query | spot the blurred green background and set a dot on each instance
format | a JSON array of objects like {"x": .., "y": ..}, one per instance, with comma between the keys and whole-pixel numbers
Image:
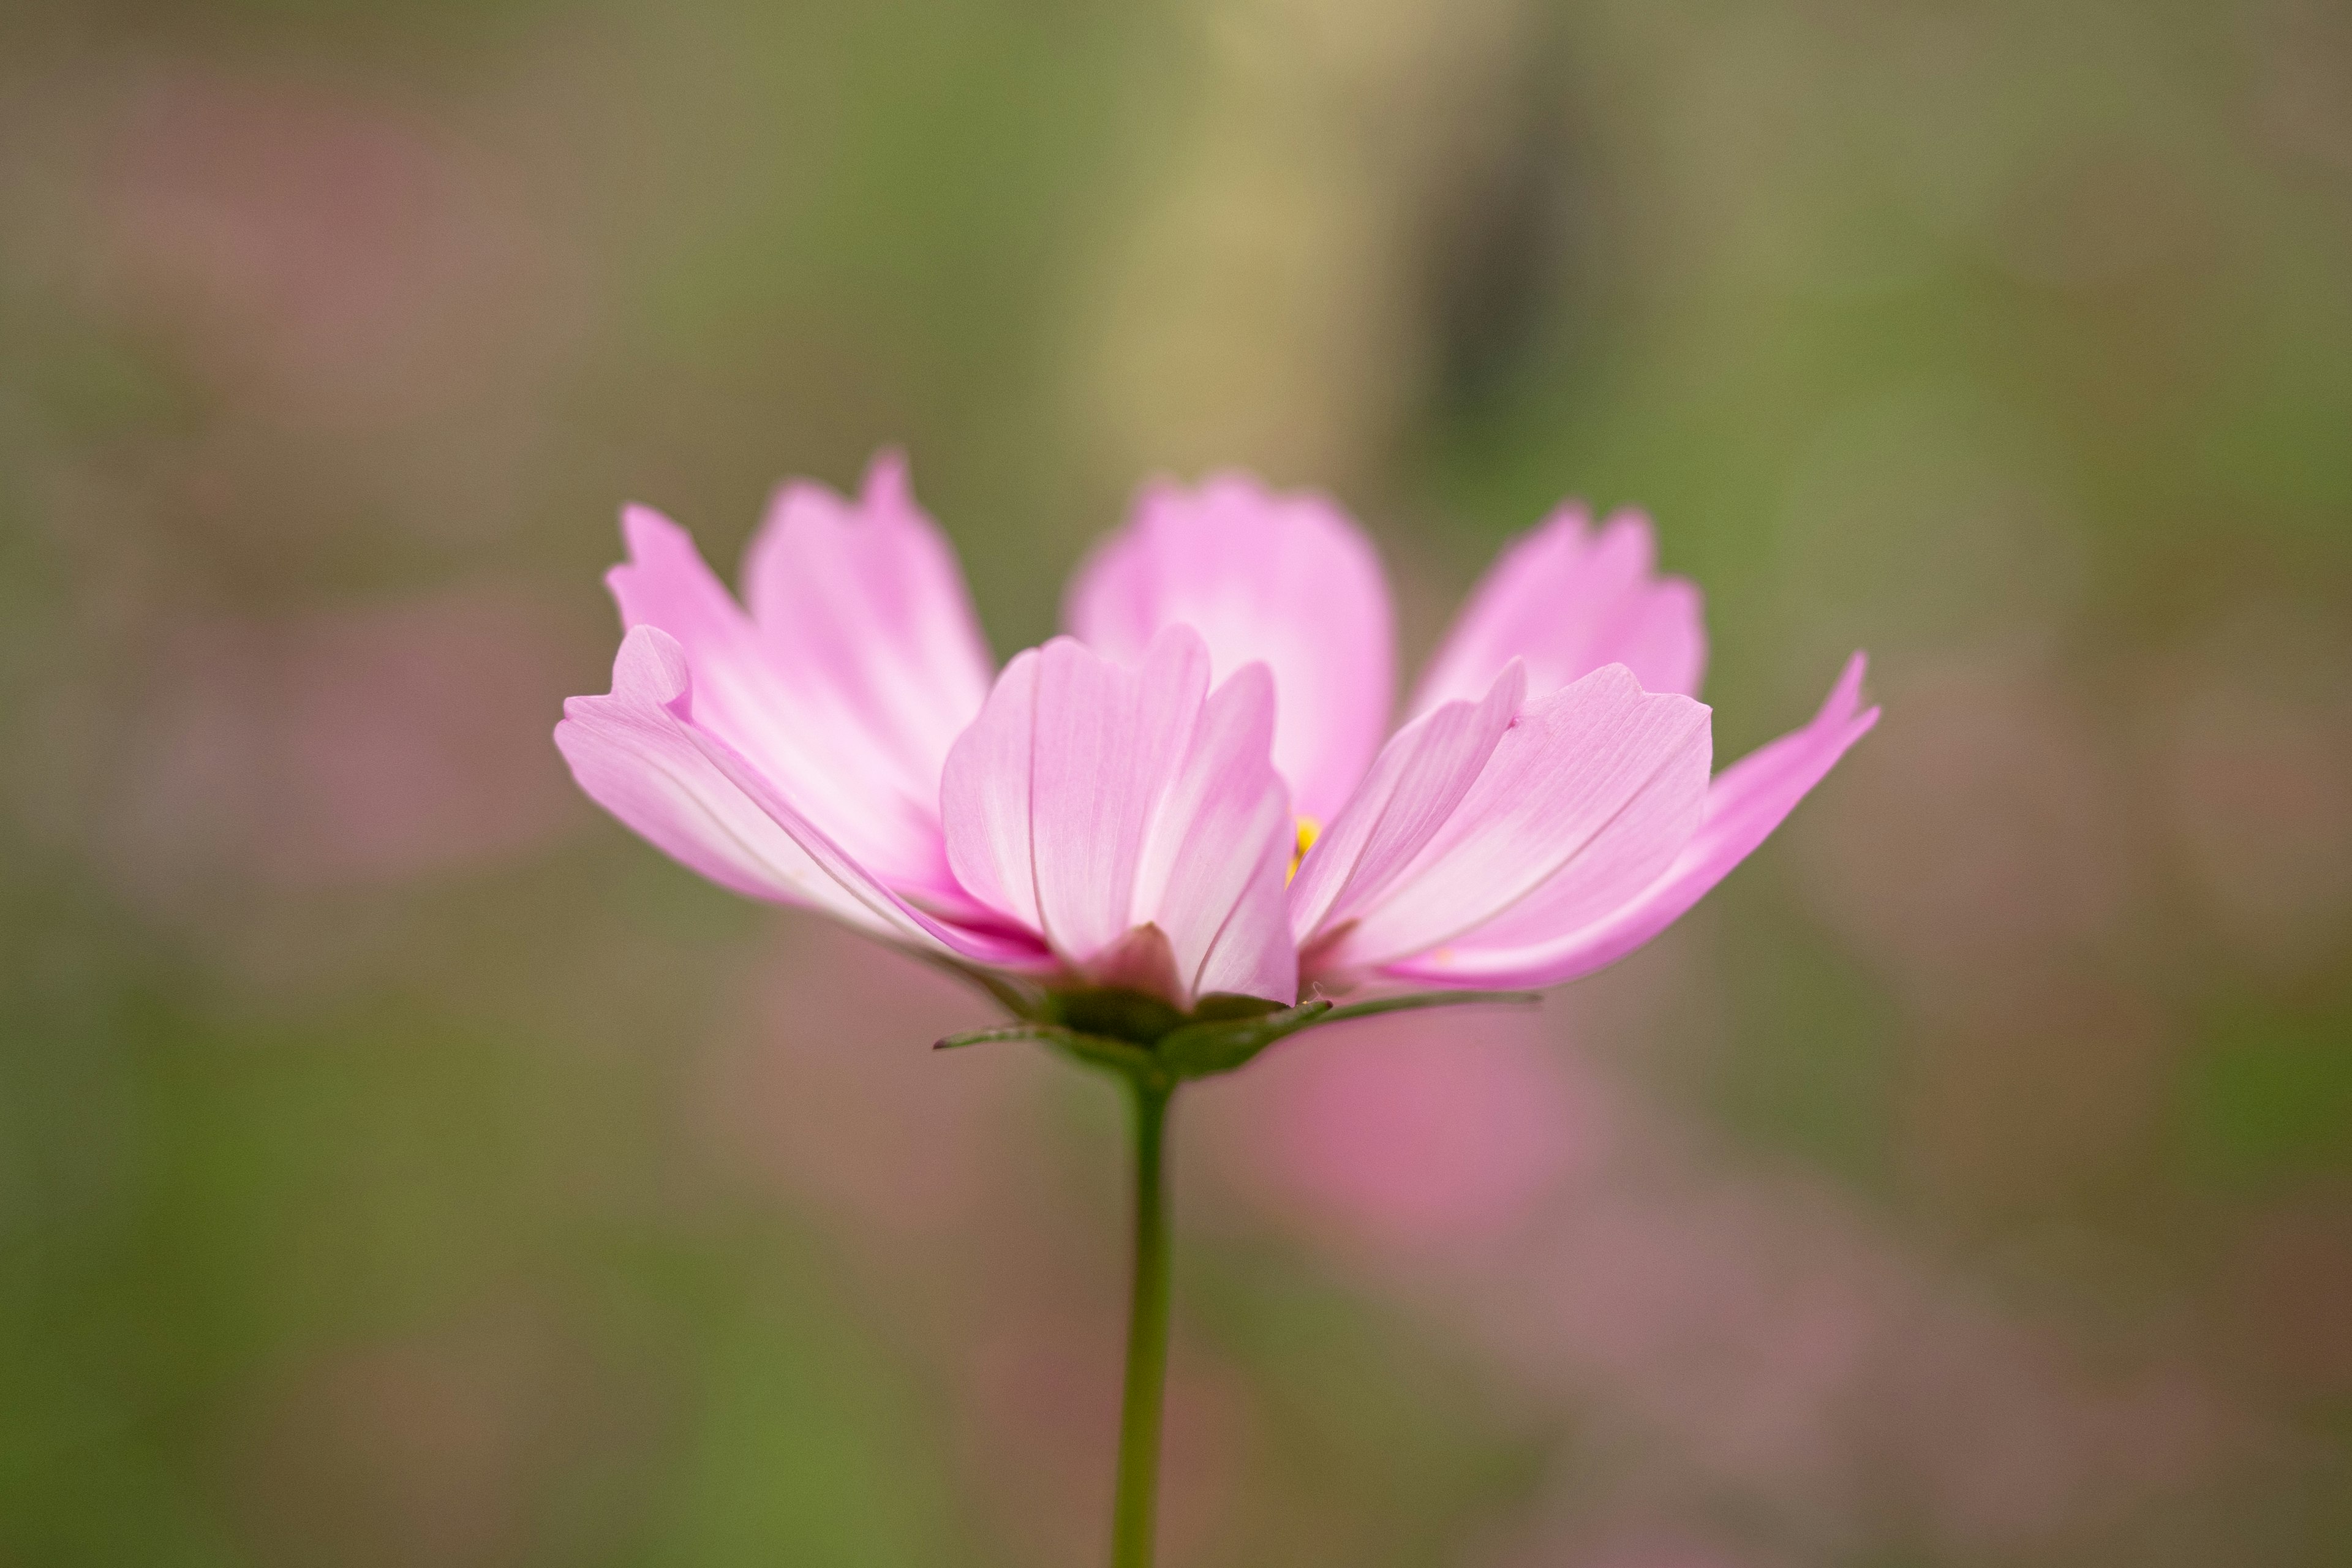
[{"x": 400, "y": 1164}]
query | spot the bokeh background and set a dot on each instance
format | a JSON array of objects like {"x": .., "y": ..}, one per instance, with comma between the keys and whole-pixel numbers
[{"x": 401, "y": 1165}]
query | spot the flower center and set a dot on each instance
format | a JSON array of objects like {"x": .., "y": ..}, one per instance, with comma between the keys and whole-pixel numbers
[{"x": 1310, "y": 830}]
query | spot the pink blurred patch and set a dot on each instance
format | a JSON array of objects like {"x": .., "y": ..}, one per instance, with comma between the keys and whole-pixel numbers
[
  {"x": 370, "y": 312},
  {"x": 1720, "y": 1331},
  {"x": 1757, "y": 1339},
  {"x": 2255, "y": 761},
  {"x": 317, "y": 245},
  {"x": 832, "y": 1091},
  {"x": 1979, "y": 835},
  {"x": 412, "y": 735},
  {"x": 1624, "y": 1548},
  {"x": 360, "y": 748},
  {"x": 2290, "y": 1285},
  {"x": 1411, "y": 1132}
]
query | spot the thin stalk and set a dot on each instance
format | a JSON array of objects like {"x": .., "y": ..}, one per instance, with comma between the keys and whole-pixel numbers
[{"x": 1134, "y": 1508}]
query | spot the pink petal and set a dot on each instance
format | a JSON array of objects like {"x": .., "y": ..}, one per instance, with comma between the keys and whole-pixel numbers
[
  {"x": 1214, "y": 861},
  {"x": 867, "y": 601},
  {"x": 986, "y": 797},
  {"x": 829, "y": 716},
  {"x": 1421, "y": 776},
  {"x": 1568, "y": 602},
  {"x": 640, "y": 754},
  {"x": 1283, "y": 579},
  {"x": 1750, "y": 799},
  {"x": 1252, "y": 953},
  {"x": 1107, "y": 741},
  {"x": 1090, "y": 799},
  {"x": 1048, "y": 794},
  {"x": 1586, "y": 799}
]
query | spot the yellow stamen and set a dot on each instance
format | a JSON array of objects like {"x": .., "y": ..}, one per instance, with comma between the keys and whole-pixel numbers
[{"x": 1310, "y": 830}]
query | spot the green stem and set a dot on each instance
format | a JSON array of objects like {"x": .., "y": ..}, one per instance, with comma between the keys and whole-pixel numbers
[{"x": 1147, "y": 1341}]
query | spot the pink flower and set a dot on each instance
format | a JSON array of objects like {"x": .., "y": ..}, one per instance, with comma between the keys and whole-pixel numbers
[{"x": 1117, "y": 809}]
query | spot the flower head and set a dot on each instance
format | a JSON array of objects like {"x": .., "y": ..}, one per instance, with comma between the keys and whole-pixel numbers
[{"x": 1185, "y": 812}]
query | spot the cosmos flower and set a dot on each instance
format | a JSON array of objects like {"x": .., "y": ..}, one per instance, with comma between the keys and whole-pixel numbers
[{"x": 1188, "y": 801}]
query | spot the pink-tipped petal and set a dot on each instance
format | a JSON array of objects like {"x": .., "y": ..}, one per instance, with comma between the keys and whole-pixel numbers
[
  {"x": 1568, "y": 602},
  {"x": 825, "y": 706},
  {"x": 866, "y": 602},
  {"x": 1744, "y": 805},
  {"x": 991, "y": 945},
  {"x": 1108, "y": 740},
  {"x": 986, "y": 797},
  {"x": 1285, "y": 580},
  {"x": 739, "y": 690},
  {"x": 640, "y": 754},
  {"x": 1252, "y": 953},
  {"x": 1588, "y": 797},
  {"x": 631, "y": 756},
  {"x": 1418, "y": 780},
  {"x": 1219, "y": 843},
  {"x": 665, "y": 583},
  {"x": 1047, "y": 796},
  {"x": 1131, "y": 818}
]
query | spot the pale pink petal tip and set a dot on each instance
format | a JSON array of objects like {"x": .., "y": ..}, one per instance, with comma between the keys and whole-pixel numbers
[
  {"x": 1744, "y": 805},
  {"x": 632, "y": 755},
  {"x": 1285, "y": 579},
  {"x": 1414, "y": 787},
  {"x": 1847, "y": 693},
  {"x": 887, "y": 485},
  {"x": 644, "y": 528},
  {"x": 641, "y": 753},
  {"x": 1570, "y": 600},
  {"x": 1587, "y": 796}
]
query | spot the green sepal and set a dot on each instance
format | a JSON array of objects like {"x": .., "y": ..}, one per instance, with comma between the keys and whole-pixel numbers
[
  {"x": 1142, "y": 1037},
  {"x": 990, "y": 1035},
  {"x": 1219, "y": 1006},
  {"x": 1096, "y": 1051},
  {"x": 1206, "y": 1049},
  {"x": 1420, "y": 999},
  {"x": 1212, "y": 1046},
  {"x": 1113, "y": 1012}
]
